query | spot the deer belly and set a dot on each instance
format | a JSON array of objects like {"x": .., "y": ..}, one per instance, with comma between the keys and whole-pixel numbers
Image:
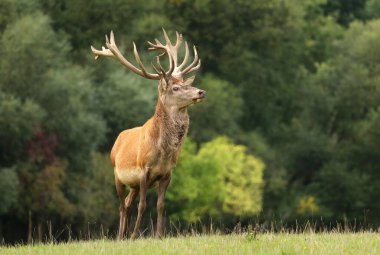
[{"x": 130, "y": 177}]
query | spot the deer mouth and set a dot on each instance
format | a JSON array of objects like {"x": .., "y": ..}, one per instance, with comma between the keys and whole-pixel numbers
[
  {"x": 201, "y": 96},
  {"x": 198, "y": 99}
]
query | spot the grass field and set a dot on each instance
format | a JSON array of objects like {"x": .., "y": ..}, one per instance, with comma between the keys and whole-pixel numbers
[{"x": 325, "y": 243}]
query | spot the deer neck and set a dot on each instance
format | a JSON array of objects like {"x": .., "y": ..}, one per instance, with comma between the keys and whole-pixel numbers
[{"x": 171, "y": 126}]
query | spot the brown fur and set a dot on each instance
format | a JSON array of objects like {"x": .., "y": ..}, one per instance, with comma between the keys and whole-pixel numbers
[{"x": 159, "y": 141}]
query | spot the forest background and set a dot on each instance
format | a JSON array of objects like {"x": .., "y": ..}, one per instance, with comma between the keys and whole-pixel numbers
[{"x": 289, "y": 131}]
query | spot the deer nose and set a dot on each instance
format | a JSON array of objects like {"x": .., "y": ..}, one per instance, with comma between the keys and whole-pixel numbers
[{"x": 201, "y": 93}]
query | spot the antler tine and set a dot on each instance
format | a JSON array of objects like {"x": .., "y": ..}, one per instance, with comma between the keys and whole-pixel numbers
[
  {"x": 108, "y": 41},
  {"x": 174, "y": 48},
  {"x": 172, "y": 65},
  {"x": 161, "y": 71},
  {"x": 160, "y": 66},
  {"x": 184, "y": 61},
  {"x": 104, "y": 52},
  {"x": 168, "y": 47},
  {"x": 138, "y": 60},
  {"x": 194, "y": 65},
  {"x": 113, "y": 51},
  {"x": 166, "y": 50},
  {"x": 157, "y": 46},
  {"x": 178, "y": 39},
  {"x": 167, "y": 39}
]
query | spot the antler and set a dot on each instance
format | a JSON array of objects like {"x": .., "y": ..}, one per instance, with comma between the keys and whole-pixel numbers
[
  {"x": 169, "y": 49},
  {"x": 173, "y": 50},
  {"x": 113, "y": 51}
]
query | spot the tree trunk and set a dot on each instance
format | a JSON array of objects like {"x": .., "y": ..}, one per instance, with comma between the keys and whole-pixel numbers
[
  {"x": 1, "y": 231},
  {"x": 30, "y": 237},
  {"x": 39, "y": 231}
]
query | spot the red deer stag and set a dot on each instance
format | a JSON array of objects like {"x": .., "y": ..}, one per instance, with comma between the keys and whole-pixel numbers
[{"x": 145, "y": 156}]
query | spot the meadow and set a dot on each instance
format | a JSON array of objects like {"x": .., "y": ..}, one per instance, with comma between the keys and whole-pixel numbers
[{"x": 269, "y": 243}]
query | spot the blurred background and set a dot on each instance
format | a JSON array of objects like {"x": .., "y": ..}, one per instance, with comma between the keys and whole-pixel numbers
[{"x": 290, "y": 130}]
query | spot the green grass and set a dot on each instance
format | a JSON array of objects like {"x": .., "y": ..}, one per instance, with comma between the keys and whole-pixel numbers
[{"x": 326, "y": 243}]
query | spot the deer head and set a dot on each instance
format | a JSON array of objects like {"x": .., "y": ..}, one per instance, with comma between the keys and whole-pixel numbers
[{"x": 174, "y": 90}]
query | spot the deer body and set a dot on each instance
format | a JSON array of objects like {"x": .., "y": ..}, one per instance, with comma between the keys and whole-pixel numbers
[
  {"x": 154, "y": 147},
  {"x": 145, "y": 156}
]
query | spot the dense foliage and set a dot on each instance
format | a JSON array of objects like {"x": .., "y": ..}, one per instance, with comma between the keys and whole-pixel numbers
[{"x": 290, "y": 128}]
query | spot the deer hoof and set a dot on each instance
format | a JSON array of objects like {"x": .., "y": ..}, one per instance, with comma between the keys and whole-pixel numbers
[{"x": 134, "y": 236}]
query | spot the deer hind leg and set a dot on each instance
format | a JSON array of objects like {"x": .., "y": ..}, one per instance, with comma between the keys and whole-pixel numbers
[
  {"x": 120, "y": 189},
  {"x": 142, "y": 205},
  {"x": 128, "y": 205}
]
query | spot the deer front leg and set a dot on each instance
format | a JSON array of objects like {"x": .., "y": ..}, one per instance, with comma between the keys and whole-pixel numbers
[
  {"x": 162, "y": 187},
  {"x": 142, "y": 205}
]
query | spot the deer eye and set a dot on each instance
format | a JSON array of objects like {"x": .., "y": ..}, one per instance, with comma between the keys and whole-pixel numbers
[{"x": 175, "y": 88}]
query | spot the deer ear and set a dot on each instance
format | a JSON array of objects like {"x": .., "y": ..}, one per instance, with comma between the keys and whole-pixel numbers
[{"x": 189, "y": 81}]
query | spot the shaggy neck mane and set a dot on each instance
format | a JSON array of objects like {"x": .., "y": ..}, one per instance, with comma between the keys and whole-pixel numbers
[{"x": 171, "y": 127}]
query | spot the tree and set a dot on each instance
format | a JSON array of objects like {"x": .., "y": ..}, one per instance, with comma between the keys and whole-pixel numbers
[
  {"x": 345, "y": 11},
  {"x": 125, "y": 101},
  {"x": 73, "y": 17},
  {"x": 11, "y": 10},
  {"x": 363, "y": 162},
  {"x": 372, "y": 8},
  {"x": 97, "y": 197},
  {"x": 328, "y": 144},
  {"x": 17, "y": 120},
  {"x": 234, "y": 181},
  {"x": 42, "y": 195},
  {"x": 220, "y": 112},
  {"x": 8, "y": 189},
  {"x": 47, "y": 78}
]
